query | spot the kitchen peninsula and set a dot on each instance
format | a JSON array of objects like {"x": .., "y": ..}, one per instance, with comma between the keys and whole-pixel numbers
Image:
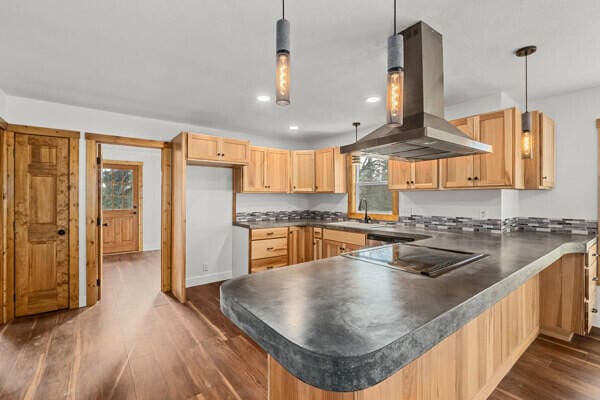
[{"x": 341, "y": 328}]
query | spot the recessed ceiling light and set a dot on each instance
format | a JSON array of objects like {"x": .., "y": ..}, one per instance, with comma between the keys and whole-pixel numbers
[
  {"x": 263, "y": 98},
  {"x": 373, "y": 99},
  {"x": 294, "y": 127}
]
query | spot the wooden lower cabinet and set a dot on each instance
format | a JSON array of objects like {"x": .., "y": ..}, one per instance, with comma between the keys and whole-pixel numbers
[
  {"x": 268, "y": 249},
  {"x": 300, "y": 247},
  {"x": 568, "y": 296},
  {"x": 468, "y": 364},
  {"x": 338, "y": 242}
]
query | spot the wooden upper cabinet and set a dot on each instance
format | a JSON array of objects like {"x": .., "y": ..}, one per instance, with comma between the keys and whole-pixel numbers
[
  {"x": 458, "y": 172},
  {"x": 324, "y": 170},
  {"x": 253, "y": 175},
  {"x": 303, "y": 171},
  {"x": 213, "y": 149},
  {"x": 277, "y": 170},
  {"x": 235, "y": 151},
  {"x": 540, "y": 171},
  {"x": 404, "y": 175},
  {"x": 399, "y": 174},
  {"x": 496, "y": 168},
  {"x": 330, "y": 170},
  {"x": 267, "y": 171},
  {"x": 425, "y": 174},
  {"x": 203, "y": 147},
  {"x": 548, "y": 149}
]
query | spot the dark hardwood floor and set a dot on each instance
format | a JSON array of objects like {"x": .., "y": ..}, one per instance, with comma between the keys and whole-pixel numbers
[{"x": 138, "y": 343}]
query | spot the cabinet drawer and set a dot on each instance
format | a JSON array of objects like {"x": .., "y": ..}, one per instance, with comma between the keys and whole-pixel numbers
[
  {"x": 268, "y": 263},
  {"x": 269, "y": 248},
  {"x": 591, "y": 255},
  {"x": 317, "y": 233},
  {"x": 356, "y": 238},
  {"x": 258, "y": 234}
]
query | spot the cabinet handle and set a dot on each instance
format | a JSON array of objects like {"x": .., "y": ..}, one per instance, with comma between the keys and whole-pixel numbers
[
  {"x": 595, "y": 255},
  {"x": 469, "y": 178},
  {"x": 545, "y": 177},
  {"x": 476, "y": 178},
  {"x": 408, "y": 182},
  {"x": 595, "y": 279},
  {"x": 270, "y": 267},
  {"x": 594, "y": 311},
  {"x": 294, "y": 187},
  {"x": 270, "y": 233},
  {"x": 270, "y": 248},
  {"x": 412, "y": 182}
]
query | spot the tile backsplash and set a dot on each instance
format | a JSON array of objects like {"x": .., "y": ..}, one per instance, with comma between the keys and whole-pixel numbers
[{"x": 460, "y": 224}]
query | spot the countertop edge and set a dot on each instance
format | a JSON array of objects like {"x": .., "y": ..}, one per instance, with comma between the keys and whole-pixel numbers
[{"x": 346, "y": 374}]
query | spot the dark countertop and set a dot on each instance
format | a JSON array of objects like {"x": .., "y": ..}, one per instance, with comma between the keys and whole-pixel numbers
[{"x": 342, "y": 324}]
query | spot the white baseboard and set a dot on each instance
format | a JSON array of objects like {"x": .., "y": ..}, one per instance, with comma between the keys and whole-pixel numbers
[{"x": 207, "y": 278}]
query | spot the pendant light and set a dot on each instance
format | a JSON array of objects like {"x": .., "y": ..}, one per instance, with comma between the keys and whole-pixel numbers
[
  {"x": 526, "y": 137},
  {"x": 356, "y": 156},
  {"x": 282, "y": 69},
  {"x": 395, "y": 77}
]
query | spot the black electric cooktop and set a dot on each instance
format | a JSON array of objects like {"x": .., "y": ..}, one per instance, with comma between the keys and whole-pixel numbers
[{"x": 428, "y": 261}]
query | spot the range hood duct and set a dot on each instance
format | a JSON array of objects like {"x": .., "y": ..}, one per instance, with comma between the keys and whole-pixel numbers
[{"x": 425, "y": 134}]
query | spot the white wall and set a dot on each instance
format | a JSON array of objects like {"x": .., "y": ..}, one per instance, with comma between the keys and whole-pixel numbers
[
  {"x": 151, "y": 180},
  {"x": 247, "y": 202},
  {"x": 209, "y": 225},
  {"x": 2, "y": 105},
  {"x": 575, "y": 192}
]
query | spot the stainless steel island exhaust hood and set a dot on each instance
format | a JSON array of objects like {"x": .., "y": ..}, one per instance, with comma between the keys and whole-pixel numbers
[{"x": 425, "y": 134}]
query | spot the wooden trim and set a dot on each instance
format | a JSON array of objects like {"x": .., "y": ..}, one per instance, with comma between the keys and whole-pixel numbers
[
  {"x": 126, "y": 141},
  {"x": 3, "y": 124},
  {"x": 40, "y": 131},
  {"x": 140, "y": 198},
  {"x": 178, "y": 218},
  {"x": 598, "y": 123},
  {"x": 3, "y": 222},
  {"x": 91, "y": 212},
  {"x": 352, "y": 213},
  {"x": 92, "y": 140},
  {"x": 74, "y": 223},
  {"x": 9, "y": 283},
  {"x": 165, "y": 237}
]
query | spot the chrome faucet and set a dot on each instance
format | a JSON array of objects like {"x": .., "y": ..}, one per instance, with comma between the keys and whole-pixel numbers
[{"x": 363, "y": 205}]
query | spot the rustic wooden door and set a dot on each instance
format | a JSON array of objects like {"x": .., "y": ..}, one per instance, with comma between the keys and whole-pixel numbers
[
  {"x": 120, "y": 206},
  {"x": 41, "y": 224}
]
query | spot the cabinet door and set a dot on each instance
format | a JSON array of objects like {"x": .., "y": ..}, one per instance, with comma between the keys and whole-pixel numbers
[
  {"x": 317, "y": 249},
  {"x": 254, "y": 173},
  {"x": 399, "y": 175},
  {"x": 203, "y": 147},
  {"x": 495, "y": 168},
  {"x": 277, "y": 167},
  {"x": 294, "y": 246},
  {"x": 458, "y": 172},
  {"x": 425, "y": 174},
  {"x": 324, "y": 170},
  {"x": 351, "y": 247},
  {"x": 233, "y": 150},
  {"x": 331, "y": 248},
  {"x": 303, "y": 171},
  {"x": 547, "y": 151}
]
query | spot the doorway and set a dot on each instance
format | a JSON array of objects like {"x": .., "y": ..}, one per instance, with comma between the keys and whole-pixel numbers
[
  {"x": 122, "y": 206},
  {"x": 119, "y": 226}
]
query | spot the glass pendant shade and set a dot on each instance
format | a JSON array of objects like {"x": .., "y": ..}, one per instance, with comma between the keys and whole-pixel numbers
[
  {"x": 282, "y": 79},
  {"x": 526, "y": 137},
  {"x": 395, "y": 98},
  {"x": 395, "y": 80}
]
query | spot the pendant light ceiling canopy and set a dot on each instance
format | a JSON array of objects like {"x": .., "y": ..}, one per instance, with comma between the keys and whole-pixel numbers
[
  {"x": 395, "y": 77},
  {"x": 526, "y": 137},
  {"x": 282, "y": 68}
]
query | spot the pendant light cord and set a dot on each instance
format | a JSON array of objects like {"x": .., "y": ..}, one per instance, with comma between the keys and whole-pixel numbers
[
  {"x": 526, "y": 86},
  {"x": 283, "y": 8},
  {"x": 395, "y": 31}
]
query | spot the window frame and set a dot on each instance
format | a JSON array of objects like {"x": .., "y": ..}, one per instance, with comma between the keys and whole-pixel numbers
[{"x": 352, "y": 206}]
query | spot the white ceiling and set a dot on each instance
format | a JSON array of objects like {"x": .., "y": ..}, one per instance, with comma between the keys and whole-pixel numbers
[{"x": 205, "y": 61}]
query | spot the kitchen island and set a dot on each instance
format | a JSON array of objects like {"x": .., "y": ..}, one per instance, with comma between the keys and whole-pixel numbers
[{"x": 341, "y": 328}]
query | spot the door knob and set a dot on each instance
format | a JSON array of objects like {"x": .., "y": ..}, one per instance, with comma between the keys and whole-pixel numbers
[{"x": 61, "y": 232}]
